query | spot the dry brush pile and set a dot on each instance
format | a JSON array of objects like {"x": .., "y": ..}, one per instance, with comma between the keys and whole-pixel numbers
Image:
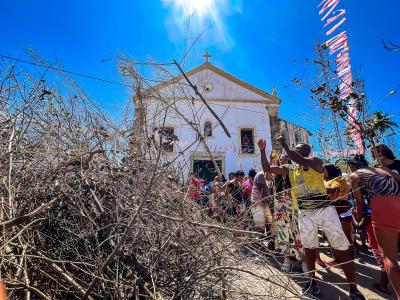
[{"x": 84, "y": 216}]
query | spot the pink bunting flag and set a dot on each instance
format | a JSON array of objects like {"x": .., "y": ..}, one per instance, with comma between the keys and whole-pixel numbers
[
  {"x": 327, "y": 5},
  {"x": 333, "y": 19},
  {"x": 336, "y": 39},
  {"x": 339, "y": 43},
  {"x": 344, "y": 71},
  {"x": 344, "y": 64},
  {"x": 342, "y": 58},
  {"x": 333, "y": 5},
  {"x": 329, "y": 32},
  {"x": 322, "y": 2}
]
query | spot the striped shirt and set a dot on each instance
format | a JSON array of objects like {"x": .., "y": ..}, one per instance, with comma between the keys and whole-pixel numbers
[{"x": 378, "y": 184}]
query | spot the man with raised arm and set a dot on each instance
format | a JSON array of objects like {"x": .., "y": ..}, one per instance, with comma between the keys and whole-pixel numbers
[{"x": 309, "y": 193}]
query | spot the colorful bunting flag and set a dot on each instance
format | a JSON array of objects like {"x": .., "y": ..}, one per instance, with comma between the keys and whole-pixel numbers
[{"x": 339, "y": 44}]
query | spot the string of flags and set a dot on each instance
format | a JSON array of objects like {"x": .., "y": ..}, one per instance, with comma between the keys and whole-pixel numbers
[
  {"x": 335, "y": 154},
  {"x": 338, "y": 45}
]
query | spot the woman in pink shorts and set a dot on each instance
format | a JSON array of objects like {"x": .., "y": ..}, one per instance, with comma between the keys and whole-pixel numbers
[{"x": 384, "y": 192}]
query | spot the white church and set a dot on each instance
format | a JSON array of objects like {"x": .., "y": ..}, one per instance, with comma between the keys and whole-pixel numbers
[{"x": 183, "y": 123}]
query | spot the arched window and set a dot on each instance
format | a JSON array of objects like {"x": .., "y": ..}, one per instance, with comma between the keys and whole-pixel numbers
[{"x": 207, "y": 128}]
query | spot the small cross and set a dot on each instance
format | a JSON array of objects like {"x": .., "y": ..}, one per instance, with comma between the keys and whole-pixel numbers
[{"x": 206, "y": 56}]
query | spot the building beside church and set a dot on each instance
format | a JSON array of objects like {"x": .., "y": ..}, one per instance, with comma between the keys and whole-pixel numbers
[
  {"x": 293, "y": 133},
  {"x": 178, "y": 118}
]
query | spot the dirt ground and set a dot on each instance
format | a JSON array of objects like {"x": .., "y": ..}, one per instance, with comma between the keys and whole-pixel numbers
[
  {"x": 367, "y": 274},
  {"x": 332, "y": 281}
]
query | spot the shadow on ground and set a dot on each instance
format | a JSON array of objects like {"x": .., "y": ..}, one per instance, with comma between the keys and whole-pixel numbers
[
  {"x": 367, "y": 273},
  {"x": 332, "y": 282}
]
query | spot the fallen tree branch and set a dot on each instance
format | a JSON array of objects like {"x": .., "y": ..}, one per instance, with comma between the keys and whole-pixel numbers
[
  {"x": 126, "y": 234},
  {"x": 22, "y": 219},
  {"x": 38, "y": 292},
  {"x": 68, "y": 279},
  {"x": 212, "y": 226}
]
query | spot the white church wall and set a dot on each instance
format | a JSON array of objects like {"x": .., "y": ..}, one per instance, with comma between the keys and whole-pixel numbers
[
  {"x": 237, "y": 106},
  {"x": 235, "y": 116},
  {"x": 223, "y": 87}
]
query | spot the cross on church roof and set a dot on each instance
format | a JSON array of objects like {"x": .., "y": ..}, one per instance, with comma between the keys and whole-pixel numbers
[{"x": 206, "y": 56}]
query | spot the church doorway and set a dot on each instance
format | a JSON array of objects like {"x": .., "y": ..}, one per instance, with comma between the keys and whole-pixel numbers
[{"x": 205, "y": 170}]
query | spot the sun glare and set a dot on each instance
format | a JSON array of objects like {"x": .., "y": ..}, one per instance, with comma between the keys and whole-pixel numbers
[
  {"x": 200, "y": 16},
  {"x": 195, "y": 7}
]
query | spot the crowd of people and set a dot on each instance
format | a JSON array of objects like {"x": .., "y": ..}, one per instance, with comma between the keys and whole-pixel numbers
[{"x": 296, "y": 196}]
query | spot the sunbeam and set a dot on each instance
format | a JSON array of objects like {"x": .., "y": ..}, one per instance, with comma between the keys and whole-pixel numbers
[
  {"x": 205, "y": 15},
  {"x": 196, "y": 7}
]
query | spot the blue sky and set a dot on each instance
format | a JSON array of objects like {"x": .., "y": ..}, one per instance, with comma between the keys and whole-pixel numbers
[{"x": 263, "y": 42}]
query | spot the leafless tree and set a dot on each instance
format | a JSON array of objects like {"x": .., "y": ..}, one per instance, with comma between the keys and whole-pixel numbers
[{"x": 92, "y": 209}]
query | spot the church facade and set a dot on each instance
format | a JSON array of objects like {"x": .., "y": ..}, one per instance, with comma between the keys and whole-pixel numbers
[{"x": 188, "y": 131}]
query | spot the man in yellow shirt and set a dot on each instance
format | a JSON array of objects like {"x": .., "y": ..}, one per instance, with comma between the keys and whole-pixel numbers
[{"x": 309, "y": 193}]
